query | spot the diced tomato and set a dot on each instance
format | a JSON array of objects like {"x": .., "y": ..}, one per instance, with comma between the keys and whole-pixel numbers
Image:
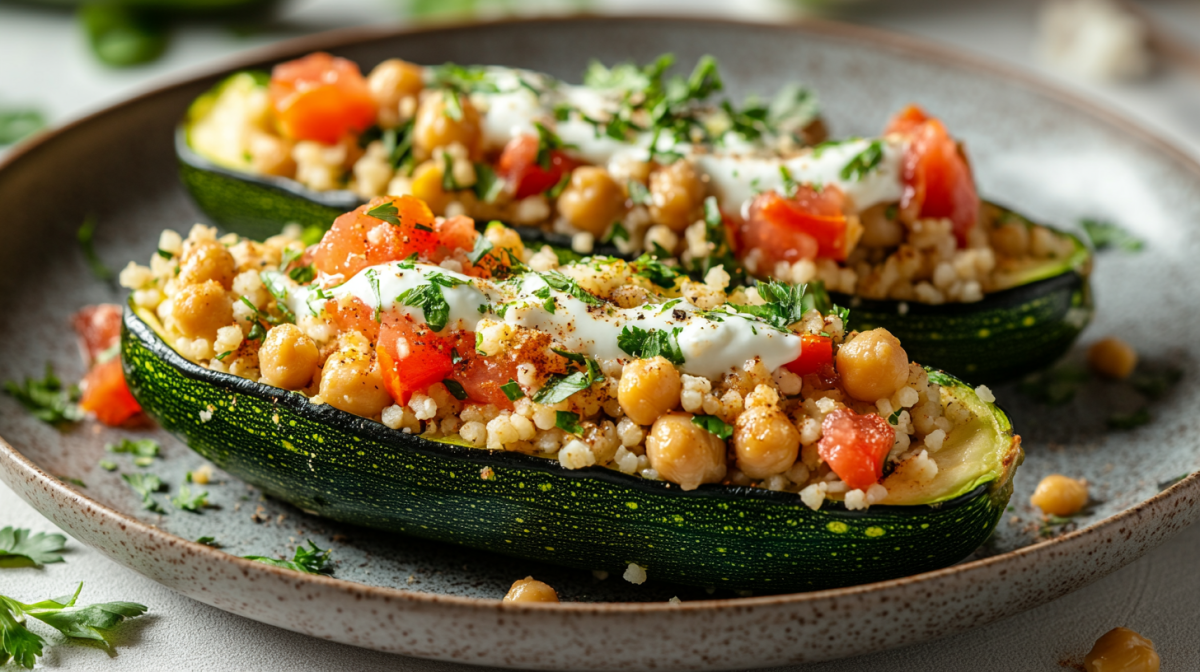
[
  {"x": 816, "y": 353},
  {"x": 357, "y": 240},
  {"x": 355, "y": 316},
  {"x": 107, "y": 396},
  {"x": 807, "y": 226},
  {"x": 937, "y": 178},
  {"x": 99, "y": 328},
  {"x": 322, "y": 98},
  {"x": 855, "y": 446},
  {"x": 424, "y": 358},
  {"x": 458, "y": 233},
  {"x": 521, "y": 171}
]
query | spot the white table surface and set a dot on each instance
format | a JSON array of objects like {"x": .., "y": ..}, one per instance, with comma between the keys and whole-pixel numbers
[{"x": 43, "y": 62}]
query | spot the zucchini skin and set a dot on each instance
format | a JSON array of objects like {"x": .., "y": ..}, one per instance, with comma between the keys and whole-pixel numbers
[
  {"x": 1007, "y": 335},
  {"x": 357, "y": 471}
]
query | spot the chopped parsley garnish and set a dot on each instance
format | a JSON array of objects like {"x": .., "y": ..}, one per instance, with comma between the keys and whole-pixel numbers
[
  {"x": 464, "y": 79},
  {"x": 645, "y": 344},
  {"x": 894, "y": 418},
  {"x": 785, "y": 303},
  {"x": 429, "y": 299},
  {"x": 455, "y": 388},
  {"x": 147, "y": 448},
  {"x": 273, "y": 281},
  {"x": 713, "y": 425},
  {"x": 940, "y": 378},
  {"x": 187, "y": 500},
  {"x": 568, "y": 422},
  {"x": 669, "y": 305},
  {"x": 548, "y": 301},
  {"x": 638, "y": 193},
  {"x": 221, "y": 357},
  {"x": 840, "y": 312},
  {"x": 1051, "y": 521},
  {"x": 891, "y": 212},
  {"x": 208, "y": 541},
  {"x": 615, "y": 232},
  {"x": 16, "y": 124},
  {"x": 311, "y": 560},
  {"x": 790, "y": 186},
  {"x": 1129, "y": 420},
  {"x": 24, "y": 646},
  {"x": 72, "y": 481},
  {"x": 512, "y": 390},
  {"x": 107, "y": 465},
  {"x": 488, "y": 184},
  {"x": 455, "y": 358},
  {"x": 145, "y": 485},
  {"x": 720, "y": 252},
  {"x": 449, "y": 183},
  {"x": 548, "y": 141},
  {"x": 557, "y": 189},
  {"x": 561, "y": 386},
  {"x": 302, "y": 274},
  {"x": 1106, "y": 234},
  {"x": 86, "y": 235},
  {"x": 19, "y": 548},
  {"x": 453, "y": 108},
  {"x": 164, "y": 254},
  {"x": 385, "y": 212},
  {"x": 565, "y": 284},
  {"x": 863, "y": 162},
  {"x": 1154, "y": 383},
  {"x": 655, "y": 271},
  {"x": 478, "y": 342},
  {"x": 1054, "y": 387},
  {"x": 47, "y": 399},
  {"x": 373, "y": 280}
]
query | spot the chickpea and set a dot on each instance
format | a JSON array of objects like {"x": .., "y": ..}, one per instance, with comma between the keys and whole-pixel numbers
[
  {"x": 683, "y": 453},
  {"x": 676, "y": 193},
  {"x": 1011, "y": 239},
  {"x": 200, "y": 310},
  {"x": 1059, "y": 495},
  {"x": 427, "y": 186},
  {"x": 649, "y": 388},
  {"x": 390, "y": 82},
  {"x": 352, "y": 382},
  {"x": 288, "y": 358},
  {"x": 1122, "y": 650},
  {"x": 530, "y": 589},
  {"x": 765, "y": 441},
  {"x": 1112, "y": 358},
  {"x": 205, "y": 260},
  {"x": 873, "y": 365},
  {"x": 434, "y": 127},
  {"x": 878, "y": 230},
  {"x": 592, "y": 200},
  {"x": 503, "y": 237}
]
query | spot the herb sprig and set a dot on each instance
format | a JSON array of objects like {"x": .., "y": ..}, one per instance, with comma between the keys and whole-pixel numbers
[
  {"x": 311, "y": 560},
  {"x": 18, "y": 547},
  {"x": 47, "y": 399},
  {"x": 24, "y": 646}
]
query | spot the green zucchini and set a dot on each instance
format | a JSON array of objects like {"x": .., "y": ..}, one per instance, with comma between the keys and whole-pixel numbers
[
  {"x": 1008, "y": 334},
  {"x": 354, "y": 470}
]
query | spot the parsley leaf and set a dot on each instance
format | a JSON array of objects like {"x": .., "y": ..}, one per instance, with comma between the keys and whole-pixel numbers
[
  {"x": 717, "y": 239},
  {"x": 373, "y": 280},
  {"x": 863, "y": 162},
  {"x": 455, "y": 388},
  {"x": 18, "y": 124},
  {"x": 481, "y": 248},
  {"x": 311, "y": 560},
  {"x": 19, "y": 548},
  {"x": 273, "y": 281},
  {"x": 137, "y": 448},
  {"x": 616, "y": 232},
  {"x": 548, "y": 302},
  {"x": 790, "y": 186},
  {"x": 561, "y": 386},
  {"x": 714, "y": 425},
  {"x": 638, "y": 193},
  {"x": 85, "y": 235},
  {"x": 24, "y": 646},
  {"x": 565, "y": 284},
  {"x": 385, "y": 212},
  {"x": 430, "y": 300},
  {"x": 645, "y": 344},
  {"x": 186, "y": 500},
  {"x": 488, "y": 185},
  {"x": 548, "y": 141},
  {"x": 1106, "y": 234},
  {"x": 1054, "y": 387},
  {"x": 1130, "y": 420},
  {"x": 208, "y": 541},
  {"x": 568, "y": 422},
  {"x": 146, "y": 485},
  {"x": 786, "y": 303},
  {"x": 47, "y": 399},
  {"x": 512, "y": 390},
  {"x": 1155, "y": 384},
  {"x": 655, "y": 271}
]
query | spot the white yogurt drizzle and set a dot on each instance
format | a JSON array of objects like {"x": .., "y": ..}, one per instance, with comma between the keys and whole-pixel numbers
[
  {"x": 737, "y": 171},
  {"x": 710, "y": 348}
]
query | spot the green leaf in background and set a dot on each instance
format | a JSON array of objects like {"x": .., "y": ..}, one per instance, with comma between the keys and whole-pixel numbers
[
  {"x": 18, "y": 124},
  {"x": 122, "y": 36},
  {"x": 18, "y": 548}
]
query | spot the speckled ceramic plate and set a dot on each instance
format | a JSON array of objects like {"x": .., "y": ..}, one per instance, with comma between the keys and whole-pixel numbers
[{"x": 1048, "y": 154}]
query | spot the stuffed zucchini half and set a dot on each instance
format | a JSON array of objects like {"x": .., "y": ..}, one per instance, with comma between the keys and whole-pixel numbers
[
  {"x": 411, "y": 374},
  {"x": 634, "y": 161}
]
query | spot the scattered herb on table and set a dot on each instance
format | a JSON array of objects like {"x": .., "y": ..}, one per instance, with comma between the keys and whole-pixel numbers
[
  {"x": 24, "y": 646},
  {"x": 47, "y": 399},
  {"x": 19, "y": 548},
  {"x": 311, "y": 560},
  {"x": 146, "y": 485},
  {"x": 187, "y": 500},
  {"x": 1155, "y": 383},
  {"x": 209, "y": 541}
]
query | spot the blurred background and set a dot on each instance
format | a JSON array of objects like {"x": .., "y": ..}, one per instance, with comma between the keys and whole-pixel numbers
[{"x": 60, "y": 59}]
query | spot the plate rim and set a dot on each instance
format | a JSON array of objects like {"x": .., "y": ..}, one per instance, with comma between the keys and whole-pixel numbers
[{"x": 14, "y": 463}]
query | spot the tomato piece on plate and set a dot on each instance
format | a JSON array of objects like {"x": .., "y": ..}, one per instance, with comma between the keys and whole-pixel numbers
[
  {"x": 937, "y": 178},
  {"x": 411, "y": 356},
  {"x": 855, "y": 446},
  {"x": 354, "y": 316},
  {"x": 525, "y": 177},
  {"x": 816, "y": 354},
  {"x": 106, "y": 395},
  {"x": 806, "y": 226},
  {"x": 99, "y": 328},
  {"x": 322, "y": 98},
  {"x": 358, "y": 240}
]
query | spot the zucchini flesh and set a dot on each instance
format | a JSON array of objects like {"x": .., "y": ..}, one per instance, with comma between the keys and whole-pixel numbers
[{"x": 355, "y": 470}]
